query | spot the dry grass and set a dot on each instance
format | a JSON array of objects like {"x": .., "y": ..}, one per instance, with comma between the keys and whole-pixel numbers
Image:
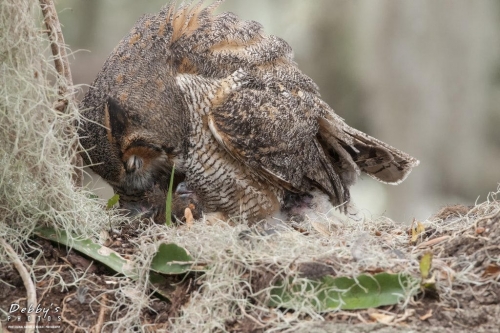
[{"x": 35, "y": 151}]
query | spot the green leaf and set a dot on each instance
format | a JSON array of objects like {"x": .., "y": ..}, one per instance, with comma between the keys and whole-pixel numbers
[
  {"x": 116, "y": 262},
  {"x": 428, "y": 283},
  {"x": 171, "y": 259},
  {"x": 168, "y": 204},
  {"x": 101, "y": 253},
  {"x": 425, "y": 265},
  {"x": 113, "y": 201},
  {"x": 334, "y": 293}
]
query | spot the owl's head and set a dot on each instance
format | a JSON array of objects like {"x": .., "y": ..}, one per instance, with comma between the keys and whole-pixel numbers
[
  {"x": 134, "y": 150},
  {"x": 143, "y": 157}
]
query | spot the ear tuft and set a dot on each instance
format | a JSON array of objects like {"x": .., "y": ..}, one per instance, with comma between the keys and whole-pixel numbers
[{"x": 115, "y": 120}]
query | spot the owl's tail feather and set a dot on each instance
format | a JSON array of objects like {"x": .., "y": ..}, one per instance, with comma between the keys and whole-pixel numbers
[
  {"x": 379, "y": 160},
  {"x": 352, "y": 151},
  {"x": 329, "y": 179}
]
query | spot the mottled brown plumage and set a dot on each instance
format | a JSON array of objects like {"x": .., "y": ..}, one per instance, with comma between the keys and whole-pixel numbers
[{"x": 228, "y": 106}]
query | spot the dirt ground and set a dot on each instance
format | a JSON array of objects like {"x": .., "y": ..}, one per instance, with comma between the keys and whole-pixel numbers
[
  {"x": 82, "y": 304},
  {"x": 81, "y": 301}
]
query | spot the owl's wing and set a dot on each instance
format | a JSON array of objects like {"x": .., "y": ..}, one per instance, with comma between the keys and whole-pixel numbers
[
  {"x": 364, "y": 152},
  {"x": 274, "y": 132},
  {"x": 379, "y": 160},
  {"x": 278, "y": 126}
]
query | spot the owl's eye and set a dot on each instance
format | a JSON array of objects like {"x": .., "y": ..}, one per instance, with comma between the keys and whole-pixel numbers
[{"x": 134, "y": 163}]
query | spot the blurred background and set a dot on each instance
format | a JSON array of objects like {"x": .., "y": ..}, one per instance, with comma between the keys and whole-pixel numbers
[{"x": 421, "y": 75}]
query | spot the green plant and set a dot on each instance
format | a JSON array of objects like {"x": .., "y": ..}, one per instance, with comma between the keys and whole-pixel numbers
[{"x": 168, "y": 203}]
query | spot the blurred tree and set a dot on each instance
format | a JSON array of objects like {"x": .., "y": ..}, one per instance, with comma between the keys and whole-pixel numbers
[{"x": 426, "y": 72}]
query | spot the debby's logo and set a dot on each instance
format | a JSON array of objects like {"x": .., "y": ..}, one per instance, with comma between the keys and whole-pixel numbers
[
  {"x": 30, "y": 309},
  {"x": 44, "y": 317}
]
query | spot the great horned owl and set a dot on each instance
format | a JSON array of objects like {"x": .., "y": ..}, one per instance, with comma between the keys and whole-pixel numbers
[{"x": 227, "y": 105}]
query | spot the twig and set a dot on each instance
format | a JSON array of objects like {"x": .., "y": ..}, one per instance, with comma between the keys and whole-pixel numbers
[
  {"x": 102, "y": 313},
  {"x": 57, "y": 46},
  {"x": 433, "y": 242},
  {"x": 62, "y": 67},
  {"x": 28, "y": 284}
]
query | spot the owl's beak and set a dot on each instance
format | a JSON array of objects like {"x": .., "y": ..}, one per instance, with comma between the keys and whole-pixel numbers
[{"x": 182, "y": 189}]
